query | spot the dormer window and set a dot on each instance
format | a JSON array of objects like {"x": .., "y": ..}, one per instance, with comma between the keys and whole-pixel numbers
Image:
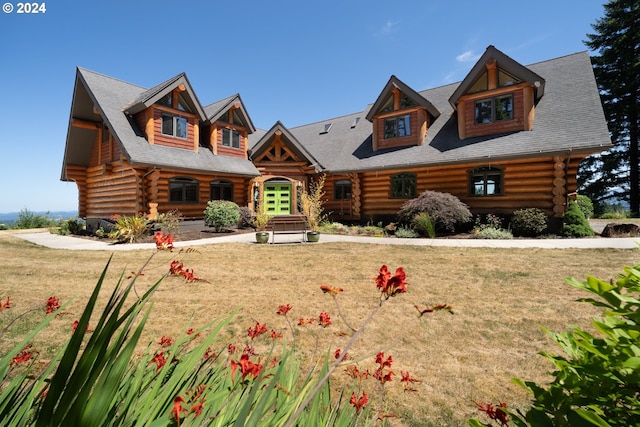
[
  {"x": 175, "y": 126},
  {"x": 230, "y": 138},
  {"x": 494, "y": 109},
  {"x": 397, "y": 127}
]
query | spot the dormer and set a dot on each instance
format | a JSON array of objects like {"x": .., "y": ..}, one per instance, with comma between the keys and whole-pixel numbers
[
  {"x": 228, "y": 127},
  {"x": 401, "y": 117},
  {"x": 497, "y": 96},
  {"x": 169, "y": 114}
]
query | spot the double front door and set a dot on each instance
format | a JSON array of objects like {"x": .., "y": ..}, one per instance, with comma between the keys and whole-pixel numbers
[{"x": 277, "y": 198}]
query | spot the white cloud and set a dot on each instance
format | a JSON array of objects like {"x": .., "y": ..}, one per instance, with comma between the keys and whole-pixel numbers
[
  {"x": 389, "y": 26},
  {"x": 468, "y": 56}
]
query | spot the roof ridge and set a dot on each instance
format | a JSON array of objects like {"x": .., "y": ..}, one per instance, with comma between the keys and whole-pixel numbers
[{"x": 110, "y": 77}]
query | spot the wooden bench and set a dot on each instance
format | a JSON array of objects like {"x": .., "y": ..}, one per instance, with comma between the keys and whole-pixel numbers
[{"x": 287, "y": 224}]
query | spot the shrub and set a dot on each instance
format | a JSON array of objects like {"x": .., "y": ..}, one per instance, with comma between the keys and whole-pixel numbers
[
  {"x": 406, "y": 233},
  {"x": 597, "y": 378},
  {"x": 614, "y": 215},
  {"x": 423, "y": 225},
  {"x": 71, "y": 226},
  {"x": 530, "y": 222},
  {"x": 221, "y": 214},
  {"x": 27, "y": 219},
  {"x": 575, "y": 224},
  {"x": 586, "y": 205},
  {"x": 246, "y": 218},
  {"x": 170, "y": 221},
  {"x": 445, "y": 210},
  {"x": 130, "y": 229},
  {"x": 491, "y": 233},
  {"x": 312, "y": 203}
]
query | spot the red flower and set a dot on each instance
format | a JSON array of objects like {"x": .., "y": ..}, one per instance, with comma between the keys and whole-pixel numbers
[
  {"x": 163, "y": 241},
  {"x": 177, "y": 408},
  {"x": 52, "y": 304},
  {"x": 159, "y": 360},
  {"x": 283, "y": 310},
  {"x": 257, "y": 330},
  {"x": 495, "y": 413},
  {"x": 23, "y": 356},
  {"x": 275, "y": 335},
  {"x": 197, "y": 408},
  {"x": 308, "y": 321},
  {"x": 338, "y": 352},
  {"x": 355, "y": 373},
  {"x": 407, "y": 379},
  {"x": 75, "y": 326},
  {"x": 359, "y": 403},
  {"x": 165, "y": 341},
  {"x": 247, "y": 367},
  {"x": 382, "y": 362},
  {"x": 5, "y": 305},
  {"x": 324, "y": 319},
  {"x": 231, "y": 348},
  {"x": 391, "y": 285},
  {"x": 331, "y": 290}
]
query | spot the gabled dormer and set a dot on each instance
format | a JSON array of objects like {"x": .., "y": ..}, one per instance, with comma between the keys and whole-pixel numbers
[
  {"x": 228, "y": 127},
  {"x": 401, "y": 117},
  {"x": 169, "y": 114},
  {"x": 497, "y": 96},
  {"x": 280, "y": 152}
]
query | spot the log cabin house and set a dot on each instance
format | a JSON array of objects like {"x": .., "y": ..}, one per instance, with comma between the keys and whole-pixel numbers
[{"x": 507, "y": 137}]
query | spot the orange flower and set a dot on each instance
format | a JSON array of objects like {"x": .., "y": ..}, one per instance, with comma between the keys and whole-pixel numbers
[
  {"x": 23, "y": 356},
  {"x": 257, "y": 330},
  {"x": 247, "y": 367},
  {"x": 159, "y": 360},
  {"x": 283, "y": 309},
  {"x": 338, "y": 352},
  {"x": 359, "y": 403},
  {"x": 304, "y": 321},
  {"x": 407, "y": 379},
  {"x": 391, "y": 285},
  {"x": 495, "y": 413},
  {"x": 324, "y": 319},
  {"x": 177, "y": 408},
  {"x": 331, "y": 290},
  {"x": 52, "y": 304},
  {"x": 5, "y": 305},
  {"x": 163, "y": 241},
  {"x": 165, "y": 341},
  {"x": 275, "y": 335}
]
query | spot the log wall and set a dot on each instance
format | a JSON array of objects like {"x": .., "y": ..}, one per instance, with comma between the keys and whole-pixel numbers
[{"x": 537, "y": 183}]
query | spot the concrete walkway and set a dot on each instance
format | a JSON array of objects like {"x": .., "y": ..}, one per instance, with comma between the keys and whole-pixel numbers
[{"x": 45, "y": 238}]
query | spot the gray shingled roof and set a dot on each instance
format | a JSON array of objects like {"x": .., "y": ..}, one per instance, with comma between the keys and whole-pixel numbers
[
  {"x": 217, "y": 109},
  {"x": 110, "y": 96},
  {"x": 568, "y": 118}
]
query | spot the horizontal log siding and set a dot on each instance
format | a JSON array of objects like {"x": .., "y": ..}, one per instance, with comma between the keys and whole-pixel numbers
[
  {"x": 526, "y": 184},
  {"x": 170, "y": 141},
  {"x": 520, "y": 116},
  {"x": 113, "y": 192},
  {"x": 338, "y": 208},
  {"x": 230, "y": 151},
  {"x": 157, "y": 191}
]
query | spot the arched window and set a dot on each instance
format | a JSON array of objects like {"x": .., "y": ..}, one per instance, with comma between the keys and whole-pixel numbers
[
  {"x": 485, "y": 181},
  {"x": 403, "y": 185},
  {"x": 221, "y": 190},
  {"x": 342, "y": 190},
  {"x": 183, "y": 189}
]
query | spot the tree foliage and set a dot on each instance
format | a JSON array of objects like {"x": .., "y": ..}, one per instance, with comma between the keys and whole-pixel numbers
[{"x": 615, "y": 174}]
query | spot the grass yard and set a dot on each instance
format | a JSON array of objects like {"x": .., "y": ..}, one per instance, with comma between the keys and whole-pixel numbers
[{"x": 501, "y": 297}]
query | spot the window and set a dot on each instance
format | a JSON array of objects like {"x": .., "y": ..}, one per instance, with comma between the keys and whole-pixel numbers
[
  {"x": 175, "y": 126},
  {"x": 397, "y": 127},
  {"x": 485, "y": 181},
  {"x": 221, "y": 190},
  {"x": 342, "y": 190},
  {"x": 183, "y": 190},
  {"x": 494, "y": 109},
  {"x": 403, "y": 185},
  {"x": 231, "y": 138}
]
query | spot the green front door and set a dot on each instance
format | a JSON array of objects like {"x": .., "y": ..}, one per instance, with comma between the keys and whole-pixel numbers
[{"x": 277, "y": 198}]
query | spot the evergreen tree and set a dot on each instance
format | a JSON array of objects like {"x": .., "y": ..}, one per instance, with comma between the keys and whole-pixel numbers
[{"x": 616, "y": 173}]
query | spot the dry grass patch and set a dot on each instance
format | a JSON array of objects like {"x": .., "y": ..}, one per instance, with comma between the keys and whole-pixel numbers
[{"x": 500, "y": 296}]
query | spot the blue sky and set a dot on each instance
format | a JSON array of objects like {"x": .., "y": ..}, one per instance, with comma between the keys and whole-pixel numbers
[{"x": 295, "y": 61}]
